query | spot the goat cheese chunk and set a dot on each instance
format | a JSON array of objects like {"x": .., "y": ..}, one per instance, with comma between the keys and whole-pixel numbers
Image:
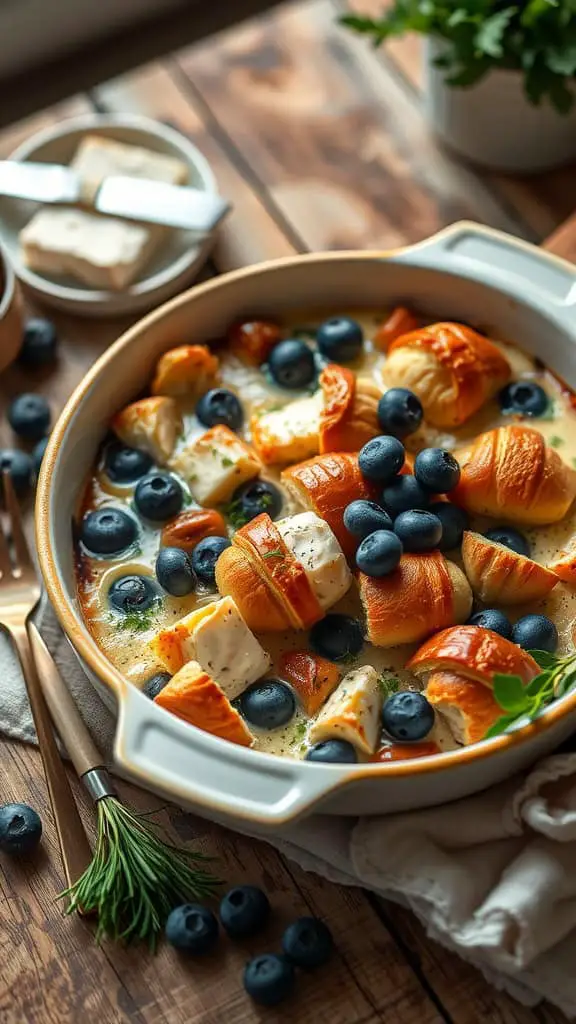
[
  {"x": 313, "y": 544},
  {"x": 215, "y": 464},
  {"x": 352, "y": 712}
]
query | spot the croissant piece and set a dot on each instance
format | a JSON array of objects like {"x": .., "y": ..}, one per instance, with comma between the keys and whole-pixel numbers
[
  {"x": 190, "y": 527},
  {"x": 474, "y": 653},
  {"x": 498, "y": 575},
  {"x": 349, "y": 417},
  {"x": 400, "y": 322},
  {"x": 512, "y": 472},
  {"x": 253, "y": 340},
  {"x": 195, "y": 697},
  {"x": 186, "y": 370},
  {"x": 151, "y": 424},
  {"x": 424, "y": 594},
  {"x": 564, "y": 565},
  {"x": 314, "y": 678},
  {"x": 453, "y": 370},
  {"x": 390, "y": 751},
  {"x": 468, "y": 707},
  {"x": 262, "y": 609},
  {"x": 327, "y": 484},
  {"x": 288, "y": 434}
]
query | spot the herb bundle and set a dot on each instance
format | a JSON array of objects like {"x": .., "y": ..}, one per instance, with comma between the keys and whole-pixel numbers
[{"x": 523, "y": 703}]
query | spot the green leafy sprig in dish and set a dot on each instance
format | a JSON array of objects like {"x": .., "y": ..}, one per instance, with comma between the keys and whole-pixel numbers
[{"x": 522, "y": 703}]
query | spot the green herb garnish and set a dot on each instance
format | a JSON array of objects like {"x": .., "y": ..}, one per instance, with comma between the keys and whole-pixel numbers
[
  {"x": 388, "y": 683},
  {"x": 520, "y": 702},
  {"x": 234, "y": 512},
  {"x": 138, "y": 622},
  {"x": 275, "y": 553},
  {"x": 226, "y": 461},
  {"x": 556, "y": 441}
]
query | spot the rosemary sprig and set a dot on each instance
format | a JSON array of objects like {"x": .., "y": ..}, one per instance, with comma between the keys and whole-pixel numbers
[
  {"x": 135, "y": 878},
  {"x": 524, "y": 702}
]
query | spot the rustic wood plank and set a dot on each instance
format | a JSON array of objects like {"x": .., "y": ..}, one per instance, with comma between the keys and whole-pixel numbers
[{"x": 563, "y": 241}]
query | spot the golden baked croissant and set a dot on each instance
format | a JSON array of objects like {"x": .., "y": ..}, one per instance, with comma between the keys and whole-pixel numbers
[
  {"x": 188, "y": 528},
  {"x": 314, "y": 678},
  {"x": 186, "y": 370},
  {"x": 452, "y": 369},
  {"x": 469, "y": 707},
  {"x": 349, "y": 417},
  {"x": 511, "y": 472},
  {"x": 400, "y": 322},
  {"x": 327, "y": 484},
  {"x": 283, "y": 575},
  {"x": 193, "y": 695},
  {"x": 498, "y": 575},
  {"x": 424, "y": 594},
  {"x": 253, "y": 340},
  {"x": 151, "y": 424},
  {"x": 564, "y": 564}
]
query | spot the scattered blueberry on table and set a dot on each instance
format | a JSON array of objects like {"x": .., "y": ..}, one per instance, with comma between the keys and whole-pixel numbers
[
  {"x": 510, "y": 538},
  {"x": 255, "y": 497},
  {"x": 125, "y": 465},
  {"x": 268, "y": 704},
  {"x": 400, "y": 412},
  {"x": 39, "y": 343},
  {"x": 403, "y": 495},
  {"x": 454, "y": 521},
  {"x": 437, "y": 470},
  {"x": 492, "y": 618},
  {"x": 19, "y": 467},
  {"x": 38, "y": 454},
  {"x": 361, "y": 518},
  {"x": 269, "y": 979},
  {"x": 158, "y": 496},
  {"x": 291, "y": 364},
  {"x": 308, "y": 943},
  {"x": 381, "y": 459},
  {"x": 108, "y": 530},
  {"x": 336, "y": 637},
  {"x": 379, "y": 553},
  {"x": 244, "y": 910},
  {"x": 20, "y": 829},
  {"x": 535, "y": 633},
  {"x": 340, "y": 339},
  {"x": 524, "y": 398},
  {"x": 418, "y": 530},
  {"x": 29, "y": 416},
  {"x": 192, "y": 928},
  {"x": 204, "y": 558},
  {"x": 133, "y": 593},
  {"x": 174, "y": 572},
  {"x": 220, "y": 406},
  {"x": 407, "y": 716},
  {"x": 153, "y": 686},
  {"x": 332, "y": 752}
]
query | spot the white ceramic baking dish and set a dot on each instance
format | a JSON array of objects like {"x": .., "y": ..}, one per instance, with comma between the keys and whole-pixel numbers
[{"x": 465, "y": 272}]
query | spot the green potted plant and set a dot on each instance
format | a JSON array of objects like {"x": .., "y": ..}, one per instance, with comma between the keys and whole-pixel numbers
[{"x": 500, "y": 76}]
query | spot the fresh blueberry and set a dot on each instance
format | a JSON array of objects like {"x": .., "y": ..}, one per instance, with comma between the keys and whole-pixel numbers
[
  {"x": 491, "y": 618},
  {"x": 255, "y": 497},
  {"x": 510, "y": 538},
  {"x": 362, "y": 518},
  {"x": 381, "y": 459},
  {"x": 108, "y": 530},
  {"x": 20, "y": 829},
  {"x": 125, "y": 465},
  {"x": 399, "y": 412},
  {"x": 38, "y": 454},
  {"x": 524, "y": 398},
  {"x": 379, "y": 553},
  {"x": 244, "y": 910},
  {"x": 153, "y": 686},
  {"x": 268, "y": 704},
  {"x": 332, "y": 752},
  {"x": 291, "y": 364},
  {"x": 192, "y": 928},
  {"x": 174, "y": 572},
  {"x": 336, "y": 637},
  {"x": 437, "y": 470},
  {"x": 204, "y": 558},
  {"x": 132, "y": 594},
  {"x": 158, "y": 496},
  {"x": 340, "y": 339},
  {"x": 39, "y": 343},
  {"x": 418, "y": 530},
  {"x": 220, "y": 406},
  {"x": 407, "y": 716},
  {"x": 308, "y": 943},
  {"x": 403, "y": 495},
  {"x": 18, "y": 465},
  {"x": 29, "y": 416},
  {"x": 535, "y": 633},
  {"x": 454, "y": 521},
  {"x": 269, "y": 979}
]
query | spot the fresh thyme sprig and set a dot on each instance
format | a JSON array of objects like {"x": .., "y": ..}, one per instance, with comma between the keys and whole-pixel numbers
[
  {"x": 135, "y": 878},
  {"x": 524, "y": 702}
]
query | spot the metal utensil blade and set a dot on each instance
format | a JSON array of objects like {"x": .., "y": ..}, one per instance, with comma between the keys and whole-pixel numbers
[
  {"x": 42, "y": 183},
  {"x": 155, "y": 202}
]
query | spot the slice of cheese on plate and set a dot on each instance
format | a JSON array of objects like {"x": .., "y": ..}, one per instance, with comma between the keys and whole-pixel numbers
[
  {"x": 215, "y": 464},
  {"x": 97, "y": 158},
  {"x": 151, "y": 424},
  {"x": 290, "y": 434},
  {"x": 193, "y": 695},
  {"x": 352, "y": 712},
  {"x": 313, "y": 544},
  {"x": 218, "y": 638}
]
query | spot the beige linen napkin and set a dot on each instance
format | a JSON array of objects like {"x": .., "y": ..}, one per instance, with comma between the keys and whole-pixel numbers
[{"x": 492, "y": 877}]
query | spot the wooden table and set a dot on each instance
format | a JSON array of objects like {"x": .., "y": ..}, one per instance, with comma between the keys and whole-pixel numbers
[{"x": 319, "y": 143}]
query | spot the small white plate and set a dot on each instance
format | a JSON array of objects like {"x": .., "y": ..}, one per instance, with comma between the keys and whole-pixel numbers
[{"x": 172, "y": 266}]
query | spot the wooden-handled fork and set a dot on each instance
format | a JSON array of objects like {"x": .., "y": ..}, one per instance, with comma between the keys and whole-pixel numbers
[{"x": 20, "y": 592}]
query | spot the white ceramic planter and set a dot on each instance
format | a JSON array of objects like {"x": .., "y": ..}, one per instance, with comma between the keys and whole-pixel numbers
[{"x": 493, "y": 124}]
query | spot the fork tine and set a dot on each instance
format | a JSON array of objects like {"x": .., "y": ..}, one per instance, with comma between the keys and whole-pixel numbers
[{"x": 23, "y": 560}]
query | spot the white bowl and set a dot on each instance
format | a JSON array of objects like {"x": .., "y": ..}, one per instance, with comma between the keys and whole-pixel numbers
[
  {"x": 174, "y": 264},
  {"x": 464, "y": 273}
]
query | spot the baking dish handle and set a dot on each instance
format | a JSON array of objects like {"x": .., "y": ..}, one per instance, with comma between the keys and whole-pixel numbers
[
  {"x": 500, "y": 261},
  {"x": 219, "y": 779}
]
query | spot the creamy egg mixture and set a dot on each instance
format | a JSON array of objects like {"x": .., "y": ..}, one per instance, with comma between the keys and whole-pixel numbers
[{"x": 125, "y": 638}]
